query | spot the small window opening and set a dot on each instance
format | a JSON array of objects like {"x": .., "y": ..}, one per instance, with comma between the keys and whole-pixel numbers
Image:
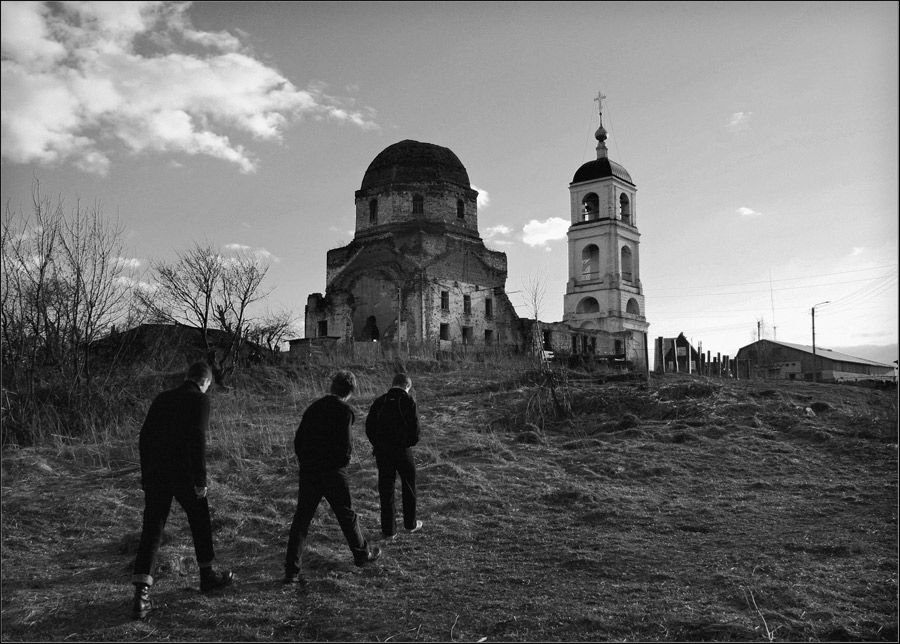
[
  {"x": 418, "y": 204},
  {"x": 467, "y": 304},
  {"x": 373, "y": 211},
  {"x": 625, "y": 208},
  {"x": 445, "y": 331},
  {"x": 445, "y": 301},
  {"x": 460, "y": 209}
]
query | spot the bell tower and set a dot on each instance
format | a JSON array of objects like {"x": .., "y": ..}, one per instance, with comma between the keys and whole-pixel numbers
[{"x": 604, "y": 291}]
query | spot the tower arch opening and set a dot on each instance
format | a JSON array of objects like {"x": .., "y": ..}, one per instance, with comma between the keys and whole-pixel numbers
[
  {"x": 627, "y": 264},
  {"x": 590, "y": 262},
  {"x": 588, "y": 305},
  {"x": 590, "y": 207},
  {"x": 633, "y": 307},
  {"x": 370, "y": 330},
  {"x": 625, "y": 208}
]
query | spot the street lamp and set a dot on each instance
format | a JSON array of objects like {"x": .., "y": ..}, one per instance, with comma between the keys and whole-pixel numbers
[{"x": 814, "y": 334}]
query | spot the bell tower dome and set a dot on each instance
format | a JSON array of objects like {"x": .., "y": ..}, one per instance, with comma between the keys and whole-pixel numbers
[{"x": 604, "y": 291}]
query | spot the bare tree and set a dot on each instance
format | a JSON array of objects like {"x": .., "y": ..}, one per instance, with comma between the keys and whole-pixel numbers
[
  {"x": 64, "y": 284},
  {"x": 535, "y": 288},
  {"x": 272, "y": 329},
  {"x": 239, "y": 287},
  {"x": 97, "y": 282},
  {"x": 28, "y": 250},
  {"x": 206, "y": 290}
]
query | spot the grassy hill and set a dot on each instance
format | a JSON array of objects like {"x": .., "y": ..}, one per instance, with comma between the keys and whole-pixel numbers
[{"x": 568, "y": 509}]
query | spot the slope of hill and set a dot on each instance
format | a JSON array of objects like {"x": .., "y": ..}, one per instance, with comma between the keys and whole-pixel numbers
[{"x": 567, "y": 509}]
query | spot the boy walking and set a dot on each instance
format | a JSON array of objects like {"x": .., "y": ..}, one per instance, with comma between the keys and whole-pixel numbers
[
  {"x": 392, "y": 428},
  {"x": 323, "y": 446},
  {"x": 172, "y": 448}
]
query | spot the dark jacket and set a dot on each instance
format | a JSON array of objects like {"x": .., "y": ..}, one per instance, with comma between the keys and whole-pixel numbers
[
  {"x": 172, "y": 443},
  {"x": 393, "y": 421},
  {"x": 322, "y": 442}
]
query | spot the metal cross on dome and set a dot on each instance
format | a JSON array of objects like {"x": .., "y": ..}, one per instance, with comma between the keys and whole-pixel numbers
[{"x": 599, "y": 100}]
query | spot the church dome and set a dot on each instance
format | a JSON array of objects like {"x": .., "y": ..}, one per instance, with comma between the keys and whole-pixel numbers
[
  {"x": 414, "y": 162},
  {"x": 600, "y": 169}
]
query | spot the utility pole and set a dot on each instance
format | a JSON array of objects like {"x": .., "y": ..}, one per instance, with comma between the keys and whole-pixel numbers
[{"x": 814, "y": 335}]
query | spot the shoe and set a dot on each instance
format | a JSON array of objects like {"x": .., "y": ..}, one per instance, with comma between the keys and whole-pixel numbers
[
  {"x": 142, "y": 605},
  {"x": 389, "y": 537},
  {"x": 374, "y": 553},
  {"x": 214, "y": 580},
  {"x": 417, "y": 528},
  {"x": 293, "y": 578}
]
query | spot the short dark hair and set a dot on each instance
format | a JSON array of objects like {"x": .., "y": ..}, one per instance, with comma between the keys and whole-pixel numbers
[
  {"x": 343, "y": 383},
  {"x": 198, "y": 372},
  {"x": 401, "y": 380}
]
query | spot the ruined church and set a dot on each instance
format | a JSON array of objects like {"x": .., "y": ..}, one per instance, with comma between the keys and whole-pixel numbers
[{"x": 418, "y": 273}]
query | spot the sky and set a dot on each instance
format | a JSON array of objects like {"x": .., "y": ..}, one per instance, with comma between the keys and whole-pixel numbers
[{"x": 762, "y": 138}]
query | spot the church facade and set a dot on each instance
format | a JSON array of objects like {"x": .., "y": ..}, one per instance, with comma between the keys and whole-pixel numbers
[
  {"x": 417, "y": 270},
  {"x": 418, "y": 273}
]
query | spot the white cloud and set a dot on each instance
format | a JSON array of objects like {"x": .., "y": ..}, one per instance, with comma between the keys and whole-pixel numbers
[
  {"x": 739, "y": 120},
  {"x": 500, "y": 229},
  {"x": 127, "y": 263},
  {"x": 82, "y": 80},
  {"x": 748, "y": 212},
  {"x": 483, "y": 199},
  {"x": 257, "y": 253},
  {"x": 343, "y": 231},
  {"x": 146, "y": 287},
  {"x": 538, "y": 233}
]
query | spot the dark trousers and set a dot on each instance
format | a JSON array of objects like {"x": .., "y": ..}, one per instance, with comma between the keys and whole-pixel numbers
[
  {"x": 334, "y": 486},
  {"x": 157, "y": 506},
  {"x": 390, "y": 464}
]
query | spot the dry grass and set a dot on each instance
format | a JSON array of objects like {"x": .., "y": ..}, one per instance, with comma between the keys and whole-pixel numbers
[{"x": 675, "y": 510}]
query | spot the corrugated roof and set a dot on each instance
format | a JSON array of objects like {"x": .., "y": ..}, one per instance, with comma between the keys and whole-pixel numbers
[{"x": 828, "y": 353}]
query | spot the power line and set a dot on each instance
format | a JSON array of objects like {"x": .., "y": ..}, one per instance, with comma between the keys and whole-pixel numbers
[
  {"x": 785, "y": 279},
  {"x": 785, "y": 288}
]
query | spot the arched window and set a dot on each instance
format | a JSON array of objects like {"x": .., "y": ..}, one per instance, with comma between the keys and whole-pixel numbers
[
  {"x": 370, "y": 331},
  {"x": 418, "y": 204},
  {"x": 590, "y": 207},
  {"x": 625, "y": 208},
  {"x": 373, "y": 211},
  {"x": 633, "y": 307},
  {"x": 460, "y": 209},
  {"x": 588, "y": 305},
  {"x": 627, "y": 268},
  {"x": 590, "y": 262}
]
